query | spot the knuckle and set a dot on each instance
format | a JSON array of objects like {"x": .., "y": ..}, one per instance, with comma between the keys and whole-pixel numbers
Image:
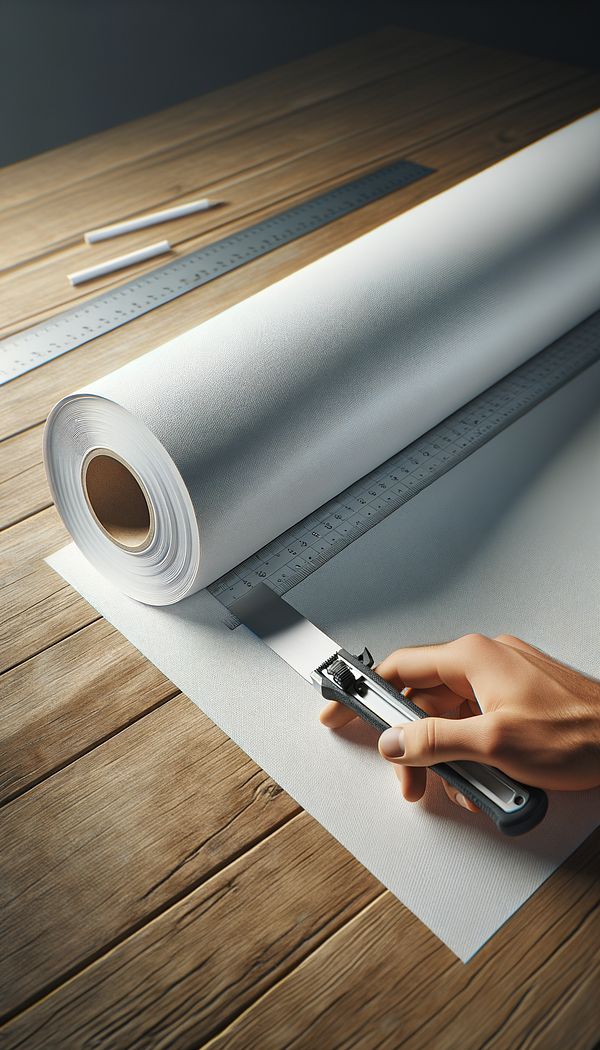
[
  {"x": 425, "y": 737},
  {"x": 389, "y": 665},
  {"x": 430, "y": 728},
  {"x": 473, "y": 643},
  {"x": 507, "y": 639}
]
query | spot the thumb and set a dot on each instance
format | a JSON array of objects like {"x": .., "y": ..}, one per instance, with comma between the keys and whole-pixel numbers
[{"x": 431, "y": 740}]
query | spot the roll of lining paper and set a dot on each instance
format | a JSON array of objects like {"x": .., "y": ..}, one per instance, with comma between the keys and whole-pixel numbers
[{"x": 175, "y": 468}]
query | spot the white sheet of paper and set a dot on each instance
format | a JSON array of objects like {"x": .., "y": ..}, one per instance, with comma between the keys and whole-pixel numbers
[{"x": 508, "y": 541}]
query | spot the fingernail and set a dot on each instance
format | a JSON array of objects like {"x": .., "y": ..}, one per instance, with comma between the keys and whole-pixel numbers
[
  {"x": 391, "y": 743},
  {"x": 462, "y": 801}
]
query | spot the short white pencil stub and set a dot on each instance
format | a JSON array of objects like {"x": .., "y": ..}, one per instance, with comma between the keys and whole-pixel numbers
[
  {"x": 117, "y": 229},
  {"x": 119, "y": 263}
]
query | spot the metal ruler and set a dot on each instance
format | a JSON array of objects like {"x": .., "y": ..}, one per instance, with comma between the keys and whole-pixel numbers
[
  {"x": 316, "y": 539},
  {"x": 111, "y": 309}
]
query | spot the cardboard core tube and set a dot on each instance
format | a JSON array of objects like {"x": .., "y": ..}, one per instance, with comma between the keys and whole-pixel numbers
[{"x": 117, "y": 500}]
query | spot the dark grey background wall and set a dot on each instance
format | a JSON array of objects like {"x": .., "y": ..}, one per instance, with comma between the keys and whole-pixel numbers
[{"x": 72, "y": 67}]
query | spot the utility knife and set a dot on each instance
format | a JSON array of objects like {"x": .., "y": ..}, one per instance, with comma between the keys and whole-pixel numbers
[{"x": 338, "y": 675}]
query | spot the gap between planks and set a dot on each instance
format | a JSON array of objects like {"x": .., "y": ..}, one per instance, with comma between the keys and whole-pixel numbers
[
  {"x": 98, "y": 742},
  {"x": 147, "y": 920},
  {"x": 492, "y": 967}
]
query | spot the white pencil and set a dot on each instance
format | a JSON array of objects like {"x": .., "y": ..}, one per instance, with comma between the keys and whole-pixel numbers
[
  {"x": 119, "y": 228},
  {"x": 119, "y": 263}
]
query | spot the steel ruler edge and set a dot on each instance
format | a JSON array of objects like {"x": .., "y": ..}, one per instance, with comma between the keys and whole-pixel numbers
[
  {"x": 43, "y": 342},
  {"x": 298, "y": 552}
]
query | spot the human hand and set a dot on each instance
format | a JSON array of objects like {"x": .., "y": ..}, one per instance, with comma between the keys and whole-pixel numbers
[{"x": 502, "y": 702}]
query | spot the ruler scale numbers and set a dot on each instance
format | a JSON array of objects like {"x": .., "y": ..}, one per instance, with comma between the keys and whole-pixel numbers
[
  {"x": 110, "y": 309},
  {"x": 297, "y": 553}
]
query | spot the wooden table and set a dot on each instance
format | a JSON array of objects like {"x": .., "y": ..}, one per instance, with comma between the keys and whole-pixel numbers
[{"x": 158, "y": 889}]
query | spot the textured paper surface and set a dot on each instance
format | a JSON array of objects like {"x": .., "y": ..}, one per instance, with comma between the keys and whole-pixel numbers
[{"x": 508, "y": 541}]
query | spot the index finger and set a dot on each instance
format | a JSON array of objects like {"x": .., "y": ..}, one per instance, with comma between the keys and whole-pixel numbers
[{"x": 451, "y": 664}]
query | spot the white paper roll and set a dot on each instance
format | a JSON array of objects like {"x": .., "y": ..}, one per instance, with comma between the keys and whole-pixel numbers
[{"x": 175, "y": 468}]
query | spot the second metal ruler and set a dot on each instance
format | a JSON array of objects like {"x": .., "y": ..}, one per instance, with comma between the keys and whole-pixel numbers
[
  {"x": 301, "y": 550},
  {"x": 111, "y": 309}
]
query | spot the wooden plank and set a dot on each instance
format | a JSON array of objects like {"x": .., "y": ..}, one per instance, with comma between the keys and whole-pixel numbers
[
  {"x": 255, "y": 100},
  {"x": 327, "y": 150},
  {"x": 456, "y": 156},
  {"x": 68, "y": 699},
  {"x": 111, "y": 840},
  {"x": 177, "y": 980}
]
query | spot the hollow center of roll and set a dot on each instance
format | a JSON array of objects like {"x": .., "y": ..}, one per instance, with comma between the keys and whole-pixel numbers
[{"x": 117, "y": 501}]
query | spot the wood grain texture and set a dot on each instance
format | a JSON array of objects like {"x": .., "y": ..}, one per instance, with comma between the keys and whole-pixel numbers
[
  {"x": 157, "y": 888},
  {"x": 382, "y": 968},
  {"x": 227, "y": 169},
  {"x": 36, "y": 608},
  {"x": 23, "y": 488},
  {"x": 69, "y": 698},
  {"x": 120, "y": 834},
  {"x": 302, "y": 83},
  {"x": 210, "y": 953},
  {"x": 516, "y": 992},
  {"x": 45, "y": 224}
]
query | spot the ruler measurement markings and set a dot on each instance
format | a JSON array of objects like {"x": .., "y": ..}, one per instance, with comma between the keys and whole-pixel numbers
[{"x": 298, "y": 552}]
